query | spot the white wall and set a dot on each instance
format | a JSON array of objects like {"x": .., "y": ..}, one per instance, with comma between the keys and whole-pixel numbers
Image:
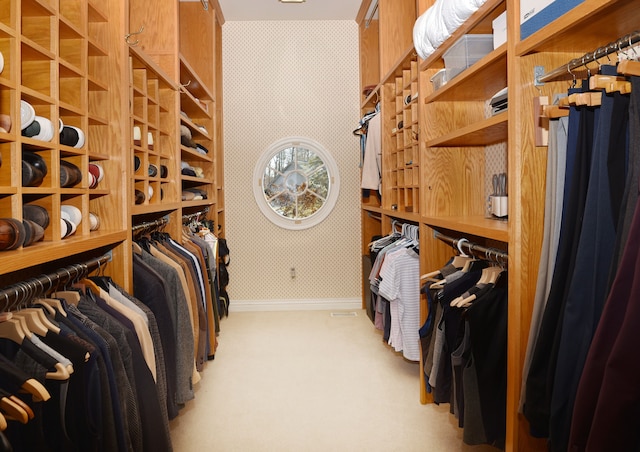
[{"x": 291, "y": 78}]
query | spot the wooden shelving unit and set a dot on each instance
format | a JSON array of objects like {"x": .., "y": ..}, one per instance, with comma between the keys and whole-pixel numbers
[
  {"x": 59, "y": 58},
  {"x": 153, "y": 115},
  {"x": 68, "y": 59},
  {"x": 455, "y": 132}
]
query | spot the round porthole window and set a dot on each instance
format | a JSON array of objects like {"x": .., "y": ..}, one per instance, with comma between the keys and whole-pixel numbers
[{"x": 296, "y": 183}]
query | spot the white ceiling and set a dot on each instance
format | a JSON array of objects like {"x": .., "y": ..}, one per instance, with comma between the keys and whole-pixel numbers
[{"x": 235, "y": 10}]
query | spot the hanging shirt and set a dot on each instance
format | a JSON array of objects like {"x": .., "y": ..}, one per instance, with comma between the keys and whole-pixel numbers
[{"x": 372, "y": 164}]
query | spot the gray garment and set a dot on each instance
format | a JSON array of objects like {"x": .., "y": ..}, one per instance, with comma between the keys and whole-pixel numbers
[
  {"x": 554, "y": 200},
  {"x": 459, "y": 358},
  {"x": 428, "y": 362},
  {"x": 473, "y": 432},
  {"x": 161, "y": 377},
  {"x": 438, "y": 344},
  {"x": 177, "y": 299}
]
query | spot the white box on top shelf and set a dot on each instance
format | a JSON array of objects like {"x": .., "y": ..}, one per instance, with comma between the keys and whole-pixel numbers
[
  {"x": 499, "y": 25},
  {"x": 535, "y": 14}
]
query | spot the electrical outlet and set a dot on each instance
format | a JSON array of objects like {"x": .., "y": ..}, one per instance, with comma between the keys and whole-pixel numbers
[{"x": 292, "y": 272}]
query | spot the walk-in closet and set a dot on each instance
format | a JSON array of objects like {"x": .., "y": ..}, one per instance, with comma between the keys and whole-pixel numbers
[{"x": 304, "y": 225}]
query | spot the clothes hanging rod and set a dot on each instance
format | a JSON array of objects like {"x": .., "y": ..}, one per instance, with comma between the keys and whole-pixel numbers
[
  {"x": 39, "y": 286},
  {"x": 190, "y": 216},
  {"x": 149, "y": 225},
  {"x": 616, "y": 46},
  {"x": 372, "y": 12},
  {"x": 374, "y": 216},
  {"x": 493, "y": 254}
]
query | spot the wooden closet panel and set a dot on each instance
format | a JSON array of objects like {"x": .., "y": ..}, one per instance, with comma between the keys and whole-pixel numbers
[
  {"x": 197, "y": 39},
  {"x": 160, "y": 37},
  {"x": 396, "y": 30},
  {"x": 369, "y": 55},
  {"x": 454, "y": 182}
]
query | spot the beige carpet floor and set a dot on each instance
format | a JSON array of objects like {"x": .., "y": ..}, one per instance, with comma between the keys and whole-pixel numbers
[{"x": 309, "y": 381}]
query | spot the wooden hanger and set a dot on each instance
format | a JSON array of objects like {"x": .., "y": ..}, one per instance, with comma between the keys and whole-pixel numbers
[
  {"x": 13, "y": 410},
  {"x": 33, "y": 322},
  {"x": 629, "y": 67},
  {"x": 36, "y": 389},
  {"x": 622, "y": 87},
  {"x": 93, "y": 287},
  {"x": 137, "y": 249},
  {"x": 53, "y": 304},
  {"x": 588, "y": 99},
  {"x": 70, "y": 296},
  {"x": 18, "y": 401},
  {"x": 12, "y": 329},
  {"x": 61, "y": 373},
  {"x": 600, "y": 81},
  {"x": 3, "y": 423},
  {"x": 555, "y": 111},
  {"x": 490, "y": 274}
]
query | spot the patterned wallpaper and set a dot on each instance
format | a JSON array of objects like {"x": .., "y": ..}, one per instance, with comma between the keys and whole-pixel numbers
[{"x": 291, "y": 78}]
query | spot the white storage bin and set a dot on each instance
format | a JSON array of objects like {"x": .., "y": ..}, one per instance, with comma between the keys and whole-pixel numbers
[
  {"x": 443, "y": 76},
  {"x": 467, "y": 50}
]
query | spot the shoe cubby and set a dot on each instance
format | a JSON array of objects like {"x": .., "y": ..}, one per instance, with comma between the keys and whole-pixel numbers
[
  {"x": 38, "y": 71},
  {"x": 72, "y": 45},
  {"x": 8, "y": 57},
  {"x": 45, "y": 217},
  {"x": 9, "y": 122},
  {"x": 73, "y": 89},
  {"x": 73, "y": 172},
  {"x": 74, "y": 13},
  {"x": 8, "y": 14},
  {"x": 75, "y": 208},
  {"x": 38, "y": 24},
  {"x": 7, "y": 202},
  {"x": 8, "y": 167},
  {"x": 72, "y": 131},
  {"x": 40, "y": 180}
]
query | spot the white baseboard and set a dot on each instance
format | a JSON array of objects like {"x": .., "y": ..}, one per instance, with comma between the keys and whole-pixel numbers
[{"x": 326, "y": 304}]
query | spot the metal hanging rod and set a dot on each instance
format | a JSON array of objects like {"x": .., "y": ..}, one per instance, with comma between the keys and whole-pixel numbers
[
  {"x": 191, "y": 216},
  {"x": 616, "y": 46},
  {"x": 39, "y": 286},
  {"x": 372, "y": 12},
  {"x": 492, "y": 254},
  {"x": 150, "y": 225}
]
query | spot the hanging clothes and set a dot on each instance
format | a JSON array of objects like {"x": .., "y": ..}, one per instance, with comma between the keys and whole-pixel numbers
[
  {"x": 372, "y": 160},
  {"x": 539, "y": 385},
  {"x": 464, "y": 346},
  {"x": 554, "y": 201},
  {"x": 395, "y": 280},
  {"x": 602, "y": 182},
  {"x": 605, "y": 413}
]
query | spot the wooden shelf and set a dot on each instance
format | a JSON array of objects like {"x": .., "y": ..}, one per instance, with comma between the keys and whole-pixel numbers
[
  {"x": 477, "y": 83},
  {"x": 587, "y": 26},
  {"x": 474, "y": 225},
  {"x": 483, "y": 133},
  {"x": 42, "y": 252},
  {"x": 190, "y": 80},
  {"x": 199, "y": 203},
  {"x": 191, "y": 154}
]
